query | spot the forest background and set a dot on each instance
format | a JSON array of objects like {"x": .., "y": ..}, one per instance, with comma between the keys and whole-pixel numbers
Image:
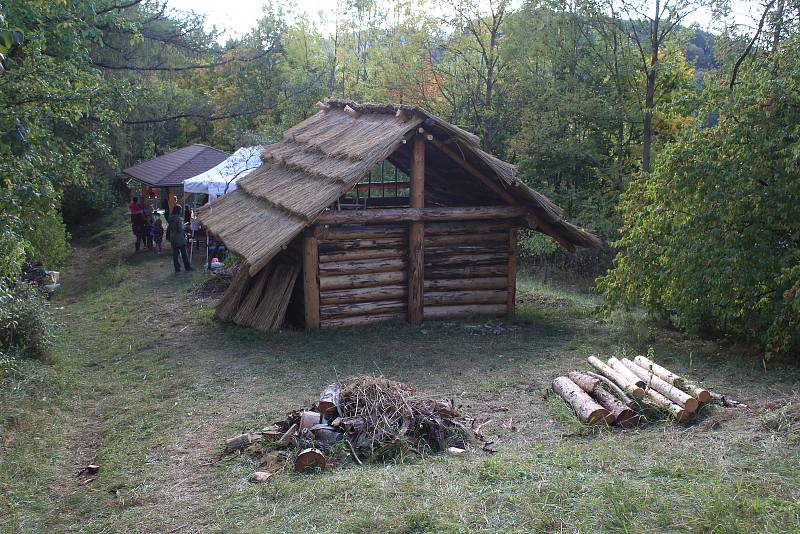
[{"x": 679, "y": 147}]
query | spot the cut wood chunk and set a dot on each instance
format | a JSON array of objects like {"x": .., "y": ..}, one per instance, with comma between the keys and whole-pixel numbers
[
  {"x": 240, "y": 442},
  {"x": 661, "y": 372},
  {"x": 310, "y": 458},
  {"x": 260, "y": 476},
  {"x": 631, "y": 377},
  {"x": 664, "y": 403},
  {"x": 329, "y": 400},
  {"x": 668, "y": 390},
  {"x": 585, "y": 382},
  {"x": 623, "y": 383},
  {"x": 621, "y": 413},
  {"x": 587, "y": 410}
]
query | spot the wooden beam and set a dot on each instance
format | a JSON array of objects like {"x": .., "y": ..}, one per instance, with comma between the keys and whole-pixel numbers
[
  {"x": 512, "y": 271},
  {"x": 310, "y": 281},
  {"x": 389, "y": 215},
  {"x": 416, "y": 234}
]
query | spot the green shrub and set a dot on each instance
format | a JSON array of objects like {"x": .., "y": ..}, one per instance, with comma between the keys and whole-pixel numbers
[
  {"x": 25, "y": 322},
  {"x": 47, "y": 240}
]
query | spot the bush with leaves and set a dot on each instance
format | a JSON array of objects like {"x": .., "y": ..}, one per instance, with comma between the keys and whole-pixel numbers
[
  {"x": 711, "y": 240},
  {"x": 26, "y": 325}
]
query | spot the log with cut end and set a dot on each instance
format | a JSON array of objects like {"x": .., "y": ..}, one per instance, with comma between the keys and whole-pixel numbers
[
  {"x": 587, "y": 410},
  {"x": 697, "y": 391},
  {"x": 585, "y": 382},
  {"x": 623, "y": 416},
  {"x": 617, "y": 365},
  {"x": 668, "y": 390},
  {"x": 629, "y": 388},
  {"x": 310, "y": 458},
  {"x": 664, "y": 403}
]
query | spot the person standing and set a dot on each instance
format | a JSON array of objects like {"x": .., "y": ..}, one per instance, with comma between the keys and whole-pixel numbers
[
  {"x": 177, "y": 238},
  {"x": 137, "y": 221}
]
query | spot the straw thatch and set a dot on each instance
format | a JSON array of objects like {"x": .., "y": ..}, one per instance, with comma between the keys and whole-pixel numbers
[{"x": 324, "y": 156}]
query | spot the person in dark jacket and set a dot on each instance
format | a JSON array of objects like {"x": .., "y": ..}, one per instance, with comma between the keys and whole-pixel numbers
[{"x": 177, "y": 238}]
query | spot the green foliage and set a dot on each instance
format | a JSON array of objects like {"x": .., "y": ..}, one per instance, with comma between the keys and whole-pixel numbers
[
  {"x": 26, "y": 325},
  {"x": 47, "y": 240},
  {"x": 711, "y": 240}
]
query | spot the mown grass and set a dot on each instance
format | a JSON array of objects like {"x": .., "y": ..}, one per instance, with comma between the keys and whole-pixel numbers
[{"x": 146, "y": 384}]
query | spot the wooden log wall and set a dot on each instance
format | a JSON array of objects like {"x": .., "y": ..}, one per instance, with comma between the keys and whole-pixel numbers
[
  {"x": 362, "y": 274},
  {"x": 467, "y": 268}
]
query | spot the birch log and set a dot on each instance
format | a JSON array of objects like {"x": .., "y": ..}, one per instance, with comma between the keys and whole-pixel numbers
[
  {"x": 662, "y": 402},
  {"x": 629, "y": 388},
  {"x": 587, "y": 410},
  {"x": 615, "y": 364},
  {"x": 668, "y": 390},
  {"x": 661, "y": 372}
]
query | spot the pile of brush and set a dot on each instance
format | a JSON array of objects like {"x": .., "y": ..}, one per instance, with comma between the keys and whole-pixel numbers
[
  {"x": 362, "y": 417},
  {"x": 623, "y": 390},
  {"x": 217, "y": 283}
]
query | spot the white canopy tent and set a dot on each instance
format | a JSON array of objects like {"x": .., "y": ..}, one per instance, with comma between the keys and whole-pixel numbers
[{"x": 222, "y": 178}]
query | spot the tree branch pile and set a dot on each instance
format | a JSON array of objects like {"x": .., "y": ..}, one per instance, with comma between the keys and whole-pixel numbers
[
  {"x": 624, "y": 391},
  {"x": 362, "y": 418}
]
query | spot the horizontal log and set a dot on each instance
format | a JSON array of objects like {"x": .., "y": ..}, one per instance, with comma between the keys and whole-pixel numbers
[
  {"x": 364, "y": 254},
  {"x": 464, "y": 310},
  {"x": 326, "y": 247},
  {"x": 338, "y": 233},
  {"x": 628, "y": 387},
  {"x": 462, "y": 228},
  {"x": 466, "y": 283},
  {"x": 681, "y": 398},
  {"x": 465, "y": 239},
  {"x": 360, "y": 320},
  {"x": 480, "y": 271},
  {"x": 585, "y": 407},
  {"x": 363, "y": 294},
  {"x": 488, "y": 296},
  {"x": 453, "y": 260},
  {"x": 615, "y": 364},
  {"x": 486, "y": 247},
  {"x": 380, "y": 265},
  {"x": 347, "y": 281},
  {"x": 337, "y": 311},
  {"x": 390, "y": 215}
]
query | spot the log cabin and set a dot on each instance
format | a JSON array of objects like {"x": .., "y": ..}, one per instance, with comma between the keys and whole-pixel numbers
[{"x": 370, "y": 212}]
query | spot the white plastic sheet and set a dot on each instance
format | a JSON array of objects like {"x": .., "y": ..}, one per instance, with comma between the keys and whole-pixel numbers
[{"x": 222, "y": 179}]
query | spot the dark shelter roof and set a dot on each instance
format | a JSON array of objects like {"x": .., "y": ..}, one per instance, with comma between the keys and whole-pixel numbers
[
  {"x": 324, "y": 156},
  {"x": 170, "y": 170}
]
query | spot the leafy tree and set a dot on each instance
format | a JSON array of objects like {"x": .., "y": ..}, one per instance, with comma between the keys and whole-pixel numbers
[{"x": 711, "y": 240}]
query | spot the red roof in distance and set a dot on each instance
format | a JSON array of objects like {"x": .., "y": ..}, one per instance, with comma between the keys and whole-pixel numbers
[{"x": 170, "y": 170}]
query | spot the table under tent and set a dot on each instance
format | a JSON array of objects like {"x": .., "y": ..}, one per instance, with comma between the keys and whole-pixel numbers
[
  {"x": 432, "y": 234},
  {"x": 215, "y": 182},
  {"x": 161, "y": 178}
]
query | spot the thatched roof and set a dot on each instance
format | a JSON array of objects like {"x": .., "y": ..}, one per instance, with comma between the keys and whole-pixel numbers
[
  {"x": 324, "y": 156},
  {"x": 170, "y": 170}
]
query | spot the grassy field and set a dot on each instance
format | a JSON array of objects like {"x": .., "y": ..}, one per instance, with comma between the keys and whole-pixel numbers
[{"x": 143, "y": 382}]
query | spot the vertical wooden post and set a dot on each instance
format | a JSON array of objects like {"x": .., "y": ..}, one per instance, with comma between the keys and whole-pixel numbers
[
  {"x": 311, "y": 280},
  {"x": 512, "y": 271},
  {"x": 416, "y": 234}
]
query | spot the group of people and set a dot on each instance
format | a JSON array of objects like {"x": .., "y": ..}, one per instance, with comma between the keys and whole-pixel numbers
[{"x": 149, "y": 230}]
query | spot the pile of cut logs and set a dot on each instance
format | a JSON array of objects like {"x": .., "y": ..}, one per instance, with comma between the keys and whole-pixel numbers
[{"x": 621, "y": 389}]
